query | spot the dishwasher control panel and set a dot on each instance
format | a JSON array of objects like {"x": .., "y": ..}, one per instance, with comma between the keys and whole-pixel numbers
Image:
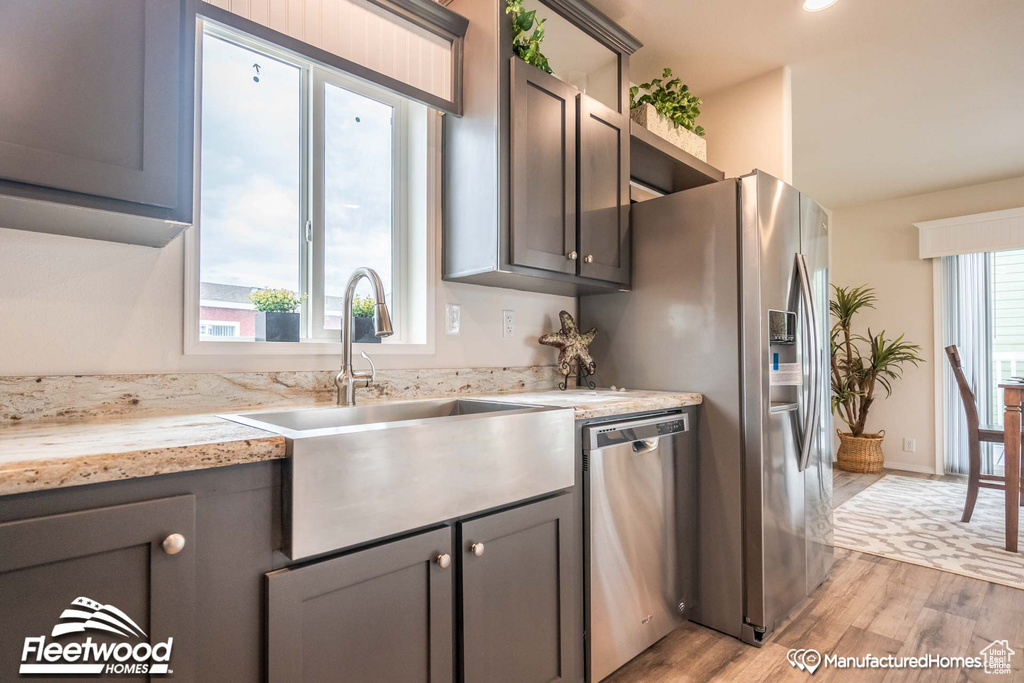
[{"x": 604, "y": 435}]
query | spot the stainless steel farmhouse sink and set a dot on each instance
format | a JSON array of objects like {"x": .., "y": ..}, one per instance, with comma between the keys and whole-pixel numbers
[{"x": 356, "y": 474}]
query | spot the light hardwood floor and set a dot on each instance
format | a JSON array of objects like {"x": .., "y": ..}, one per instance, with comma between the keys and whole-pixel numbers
[{"x": 868, "y": 605}]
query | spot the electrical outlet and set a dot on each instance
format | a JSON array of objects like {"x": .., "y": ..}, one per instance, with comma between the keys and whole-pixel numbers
[
  {"x": 508, "y": 323},
  {"x": 910, "y": 445},
  {"x": 452, "y": 319}
]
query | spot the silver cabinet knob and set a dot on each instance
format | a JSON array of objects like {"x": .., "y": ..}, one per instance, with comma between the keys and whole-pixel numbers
[
  {"x": 477, "y": 548},
  {"x": 444, "y": 561},
  {"x": 174, "y": 544},
  {"x": 572, "y": 255},
  {"x": 589, "y": 258}
]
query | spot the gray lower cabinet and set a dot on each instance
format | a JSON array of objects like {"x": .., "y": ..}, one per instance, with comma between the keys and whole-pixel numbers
[
  {"x": 543, "y": 217},
  {"x": 381, "y": 614},
  {"x": 110, "y": 556},
  {"x": 96, "y": 106},
  {"x": 386, "y": 613},
  {"x": 518, "y": 594}
]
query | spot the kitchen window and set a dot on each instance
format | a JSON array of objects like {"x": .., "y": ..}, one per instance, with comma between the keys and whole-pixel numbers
[{"x": 304, "y": 174}]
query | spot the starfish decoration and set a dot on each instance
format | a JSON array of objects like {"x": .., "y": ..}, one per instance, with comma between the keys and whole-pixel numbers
[{"x": 572, "y": 348}]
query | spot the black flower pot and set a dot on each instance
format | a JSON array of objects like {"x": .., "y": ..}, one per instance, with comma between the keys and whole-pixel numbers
[
  {"x": 274, "y": 326},
  {"x": 363, "y": 332}
]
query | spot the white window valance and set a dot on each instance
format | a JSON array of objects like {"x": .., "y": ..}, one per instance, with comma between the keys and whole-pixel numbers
[{"x": 980, "y": 232}]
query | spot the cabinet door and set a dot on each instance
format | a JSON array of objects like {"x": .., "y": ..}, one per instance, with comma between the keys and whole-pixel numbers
[
  {"x": 114, "y": 559},
  {"x": 543, "y": 220},
  {"x": 517, "y": 594},
  {"x": 381, "y": 614},
  {"x": 604, "y": 192},
  {"x": 90, "y": 96}
]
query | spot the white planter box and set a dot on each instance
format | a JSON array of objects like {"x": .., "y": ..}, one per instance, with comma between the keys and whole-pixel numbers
[{"x": 648, "y": 117}]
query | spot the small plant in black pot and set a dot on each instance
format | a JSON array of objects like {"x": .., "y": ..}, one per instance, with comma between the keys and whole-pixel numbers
[
  {"x": 276, "y": 316},
  {"x": 362, "y": 314}
]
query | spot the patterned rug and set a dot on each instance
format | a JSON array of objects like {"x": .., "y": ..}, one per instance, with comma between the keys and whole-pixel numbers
[{"x": 918, "y": 521}]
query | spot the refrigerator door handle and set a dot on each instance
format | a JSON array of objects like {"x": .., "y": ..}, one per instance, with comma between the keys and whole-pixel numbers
[{"x": 814, "y": 364}]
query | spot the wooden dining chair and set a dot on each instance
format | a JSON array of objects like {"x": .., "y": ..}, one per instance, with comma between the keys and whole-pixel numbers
[{"x": 976, "y": 434}]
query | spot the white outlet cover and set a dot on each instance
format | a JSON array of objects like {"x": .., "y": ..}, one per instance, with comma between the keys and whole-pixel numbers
[
  {"x": 910, "y": 445},
  {"x": 508, "y": 323},
  {"x": 452, "y": 319}
]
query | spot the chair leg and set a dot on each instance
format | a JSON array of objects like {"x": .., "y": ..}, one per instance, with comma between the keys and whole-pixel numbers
[
  {"x": 972, "y": 496},
  {"x": 973, "y": 479}
]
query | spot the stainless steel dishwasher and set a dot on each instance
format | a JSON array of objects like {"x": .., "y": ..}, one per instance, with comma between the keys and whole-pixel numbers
[{"x": 640, "y": 527}]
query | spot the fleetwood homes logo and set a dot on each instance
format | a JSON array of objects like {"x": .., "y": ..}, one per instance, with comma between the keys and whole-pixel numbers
[{"x": 131, "y": 656}]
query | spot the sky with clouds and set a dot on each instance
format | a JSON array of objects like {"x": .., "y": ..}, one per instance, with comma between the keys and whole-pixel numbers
[{"x": 251, "y": 170}]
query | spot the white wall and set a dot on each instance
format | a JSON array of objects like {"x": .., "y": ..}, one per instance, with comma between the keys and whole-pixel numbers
[
  {"x": 76, "y": 306},
  {"x": 750, "y": 125},
  {"x": 877, "y": 244}
]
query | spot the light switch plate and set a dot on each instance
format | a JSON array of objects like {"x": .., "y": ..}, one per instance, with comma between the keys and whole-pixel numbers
[{"x": 452, "y": 319}]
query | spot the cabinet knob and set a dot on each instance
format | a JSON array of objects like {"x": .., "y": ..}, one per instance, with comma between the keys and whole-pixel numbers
[
  {"x": 589, "y": 258},
  {"x": 477, "y": 548},
  {"x": 444, "y": 561},
  {"x": 572, "y": 255},
  {"x": 174, "y": 544}
]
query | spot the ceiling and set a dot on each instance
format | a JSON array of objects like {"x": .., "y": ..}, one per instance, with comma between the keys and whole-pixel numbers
[{"x": 890, "y": 97}]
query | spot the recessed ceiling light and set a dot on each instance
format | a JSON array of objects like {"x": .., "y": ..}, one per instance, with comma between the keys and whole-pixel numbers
[{"x": 818, "y": 5}]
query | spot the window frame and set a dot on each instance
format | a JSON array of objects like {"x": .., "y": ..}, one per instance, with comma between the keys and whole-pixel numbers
[{"x": 318, "y": 341}]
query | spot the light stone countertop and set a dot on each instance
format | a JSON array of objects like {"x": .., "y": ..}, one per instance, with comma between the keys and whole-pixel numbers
[{"x": 36, "y": 456}]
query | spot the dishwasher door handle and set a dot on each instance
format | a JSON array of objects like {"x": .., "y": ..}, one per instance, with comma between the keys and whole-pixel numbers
[{"x": 645, "y": 446}]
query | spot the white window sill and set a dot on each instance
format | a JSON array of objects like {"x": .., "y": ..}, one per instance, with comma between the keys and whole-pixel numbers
[{"x": 303, "y": 348}]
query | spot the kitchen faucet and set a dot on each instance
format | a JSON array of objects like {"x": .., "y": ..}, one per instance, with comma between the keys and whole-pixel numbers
[{"x": 347, "y": 378}]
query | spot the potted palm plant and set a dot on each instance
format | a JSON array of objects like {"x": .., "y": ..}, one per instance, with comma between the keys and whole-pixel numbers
[
  {"x": 276, "y": 317},
  {"x": 860, "y": 365}
]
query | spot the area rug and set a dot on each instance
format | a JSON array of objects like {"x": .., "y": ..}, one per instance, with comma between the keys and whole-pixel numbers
[{"x": 918, "y": 521}]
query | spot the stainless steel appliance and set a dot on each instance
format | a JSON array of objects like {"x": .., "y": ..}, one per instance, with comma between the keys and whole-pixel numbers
[
  {"x": 355, "y": 474},
  {"x": 730, "y": 298},
  {"x": 640, "y": 535}
]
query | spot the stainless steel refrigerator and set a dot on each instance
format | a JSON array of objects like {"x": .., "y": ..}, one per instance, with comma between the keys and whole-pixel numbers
[{"x": 730, "y": 298}]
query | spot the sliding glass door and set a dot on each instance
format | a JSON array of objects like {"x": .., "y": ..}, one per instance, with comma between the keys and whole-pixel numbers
[{"x": 983, "y": 314}]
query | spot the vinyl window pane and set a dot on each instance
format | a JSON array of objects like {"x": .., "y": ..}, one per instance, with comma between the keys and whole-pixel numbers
[
  {"x": 251, "y": 188},
  {"x": 358, "y": 195}
]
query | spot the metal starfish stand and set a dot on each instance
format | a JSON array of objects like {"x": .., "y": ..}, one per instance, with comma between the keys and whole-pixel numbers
[{"x": 582, "y": 376}]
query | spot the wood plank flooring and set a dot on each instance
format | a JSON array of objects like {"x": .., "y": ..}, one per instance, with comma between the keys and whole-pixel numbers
[{"x": 868, "y": 605}]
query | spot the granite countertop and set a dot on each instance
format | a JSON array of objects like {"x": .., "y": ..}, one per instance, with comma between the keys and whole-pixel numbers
[{"x": 36, "y": 456}]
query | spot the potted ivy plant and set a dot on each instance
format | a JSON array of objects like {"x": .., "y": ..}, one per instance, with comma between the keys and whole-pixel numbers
[
  {"x": 362, "y": 314},
  {"x": 527, "y": 35},
  {"x": 668, "y": 109},
  {"x": 276, "y": 316},
  {"x": 860, "y": 365}
]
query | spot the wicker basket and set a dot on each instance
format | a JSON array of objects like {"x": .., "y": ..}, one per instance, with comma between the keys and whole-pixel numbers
[{"x": 861, "y": 454}]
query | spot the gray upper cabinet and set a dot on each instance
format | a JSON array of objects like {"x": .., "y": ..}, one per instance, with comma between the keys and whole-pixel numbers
[
  {"x": 604, "y": 192},
  {"x": 383, "y": 614},
  {"x": 518, "y": 595},
  {"x": 111, "y": 556},
  {"x": 543, "y": 170},
  {"x": 519, "y": 201},
  {"x": 96, "y": 104}
]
